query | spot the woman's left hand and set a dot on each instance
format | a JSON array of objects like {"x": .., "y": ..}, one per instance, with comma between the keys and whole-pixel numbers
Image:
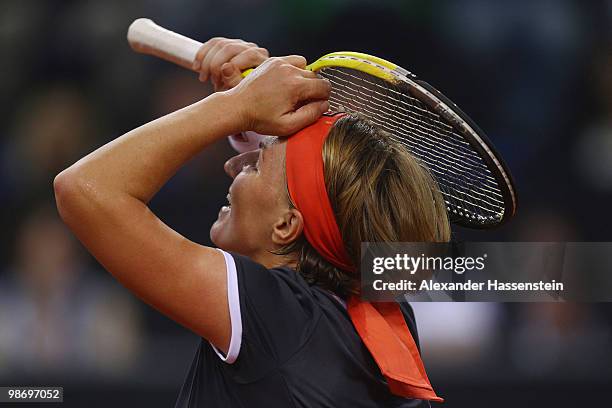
[
  {"x": 222, "y": 60},
  {"x": 280, "y": 97}
]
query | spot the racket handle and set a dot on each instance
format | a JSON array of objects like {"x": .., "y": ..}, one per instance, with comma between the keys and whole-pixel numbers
[{"x": 148, "y": 38}]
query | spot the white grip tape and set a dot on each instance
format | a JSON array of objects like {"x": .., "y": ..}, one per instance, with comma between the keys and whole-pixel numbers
[{"x": 146, "y": 37}]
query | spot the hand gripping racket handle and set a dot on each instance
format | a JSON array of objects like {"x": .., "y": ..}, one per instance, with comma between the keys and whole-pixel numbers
[{"x": 146, "y": 37}]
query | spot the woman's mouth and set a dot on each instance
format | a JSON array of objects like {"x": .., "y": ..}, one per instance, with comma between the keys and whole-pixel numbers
[{"x": 228, "y": 207}]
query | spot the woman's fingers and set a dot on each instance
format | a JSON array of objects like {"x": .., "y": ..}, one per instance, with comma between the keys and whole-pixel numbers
[
  {"x": 280, "y": 97},
  {"x": 197, "y": 63},
  {"x": 225, "y": 54},
  {"x": 230, "y": 76},
  {"x": 304, "y": 116},
  {"x": 306, "y": 73},
  {"x": 295, "y": 60},
  {"x": 250, "y": 58},
  {"x": 315, "y": 88},
  {"x": 231, "y": 72},
  {"x": 208, "y": 57},
  {"x": 214, "y": 55},
  {"x": 207, "y": 52}
]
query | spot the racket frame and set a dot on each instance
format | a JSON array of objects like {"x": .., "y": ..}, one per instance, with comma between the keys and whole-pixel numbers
[{"x": 444, "y": 107}]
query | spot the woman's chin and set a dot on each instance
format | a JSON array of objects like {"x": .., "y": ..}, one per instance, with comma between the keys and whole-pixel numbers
[
  {"x": 216, "y": 231},
  {"x": 221, "y": 241}
]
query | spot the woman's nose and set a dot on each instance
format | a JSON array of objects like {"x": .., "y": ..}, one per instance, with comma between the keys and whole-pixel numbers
[
  {"x": 229, "y": 167},
  {"x": 233, "y": 166}
]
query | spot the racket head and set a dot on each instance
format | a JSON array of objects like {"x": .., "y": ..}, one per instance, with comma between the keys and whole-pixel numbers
[{"x": 476, "y": 184}]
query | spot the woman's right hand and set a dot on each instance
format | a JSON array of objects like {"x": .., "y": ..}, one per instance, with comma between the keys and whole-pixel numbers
[
  {"x": 280, "y": 97},
  {"x": 222, "y": 60}
]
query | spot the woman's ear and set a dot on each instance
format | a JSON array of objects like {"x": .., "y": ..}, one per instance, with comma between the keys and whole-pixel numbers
[{"x": 288, "y": 228}]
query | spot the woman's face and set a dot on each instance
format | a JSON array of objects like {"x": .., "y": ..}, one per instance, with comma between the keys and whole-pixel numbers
[{"x": 257, "y": 200}]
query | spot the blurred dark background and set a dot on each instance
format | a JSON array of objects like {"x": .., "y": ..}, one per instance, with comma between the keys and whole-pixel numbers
[{"x": 536, "y": 75}]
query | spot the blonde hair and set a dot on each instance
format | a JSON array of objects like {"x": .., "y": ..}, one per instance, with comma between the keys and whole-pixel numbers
[{"x": 379, "y": 193}]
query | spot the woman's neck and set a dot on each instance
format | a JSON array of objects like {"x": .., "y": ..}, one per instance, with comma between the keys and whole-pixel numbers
[{"x": 271, "y": 260}]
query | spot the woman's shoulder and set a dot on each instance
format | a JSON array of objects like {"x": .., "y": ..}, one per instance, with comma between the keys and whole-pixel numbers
[
  {"x": 279, "y": 310},
  {"x": 286, "y": 275},
  {"x": 283, "y": 289}
]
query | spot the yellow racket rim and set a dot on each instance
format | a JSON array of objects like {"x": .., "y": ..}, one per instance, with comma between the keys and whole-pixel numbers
[
  {"x": 359, "y": 61},
  {"x": 362, "y": 56}
]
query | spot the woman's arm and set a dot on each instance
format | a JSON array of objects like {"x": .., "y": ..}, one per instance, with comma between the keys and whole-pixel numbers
[{"x": 103, "y": 196}]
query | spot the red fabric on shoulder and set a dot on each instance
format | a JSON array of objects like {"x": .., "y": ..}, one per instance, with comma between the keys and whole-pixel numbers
[{"x": 383, "y": 330}]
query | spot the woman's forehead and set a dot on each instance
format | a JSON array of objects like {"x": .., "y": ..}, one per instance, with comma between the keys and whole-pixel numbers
[
  {"x": 273, "y": 156},
  {"x": 268, "y": 141},
  {"x": 273, "y": 146}
]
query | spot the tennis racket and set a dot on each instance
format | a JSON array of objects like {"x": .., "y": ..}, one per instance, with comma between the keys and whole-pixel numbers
[{"x": 477, "y": 186}]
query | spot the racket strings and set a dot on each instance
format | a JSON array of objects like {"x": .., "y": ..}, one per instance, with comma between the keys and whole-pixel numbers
[
  {"x": 459, "y": 177},
  {"x": 415, "y": 122},
  {"x": 454, "y": 166},
  {"x": 467, "y": 185},
  {"x": 419, "y": 127},
  {"x": 456, "y": 185},
  {"x": 450, "y": 163},
  {"x": 399, "y": 98}
]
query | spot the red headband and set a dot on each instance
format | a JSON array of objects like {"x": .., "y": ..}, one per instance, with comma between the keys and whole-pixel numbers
[
  {"x": 306, "y": 183},
  {"x": 381, "y": 326}
]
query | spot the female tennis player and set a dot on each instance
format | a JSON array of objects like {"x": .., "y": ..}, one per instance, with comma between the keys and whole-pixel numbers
[{"x": 276, "y": 302}]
